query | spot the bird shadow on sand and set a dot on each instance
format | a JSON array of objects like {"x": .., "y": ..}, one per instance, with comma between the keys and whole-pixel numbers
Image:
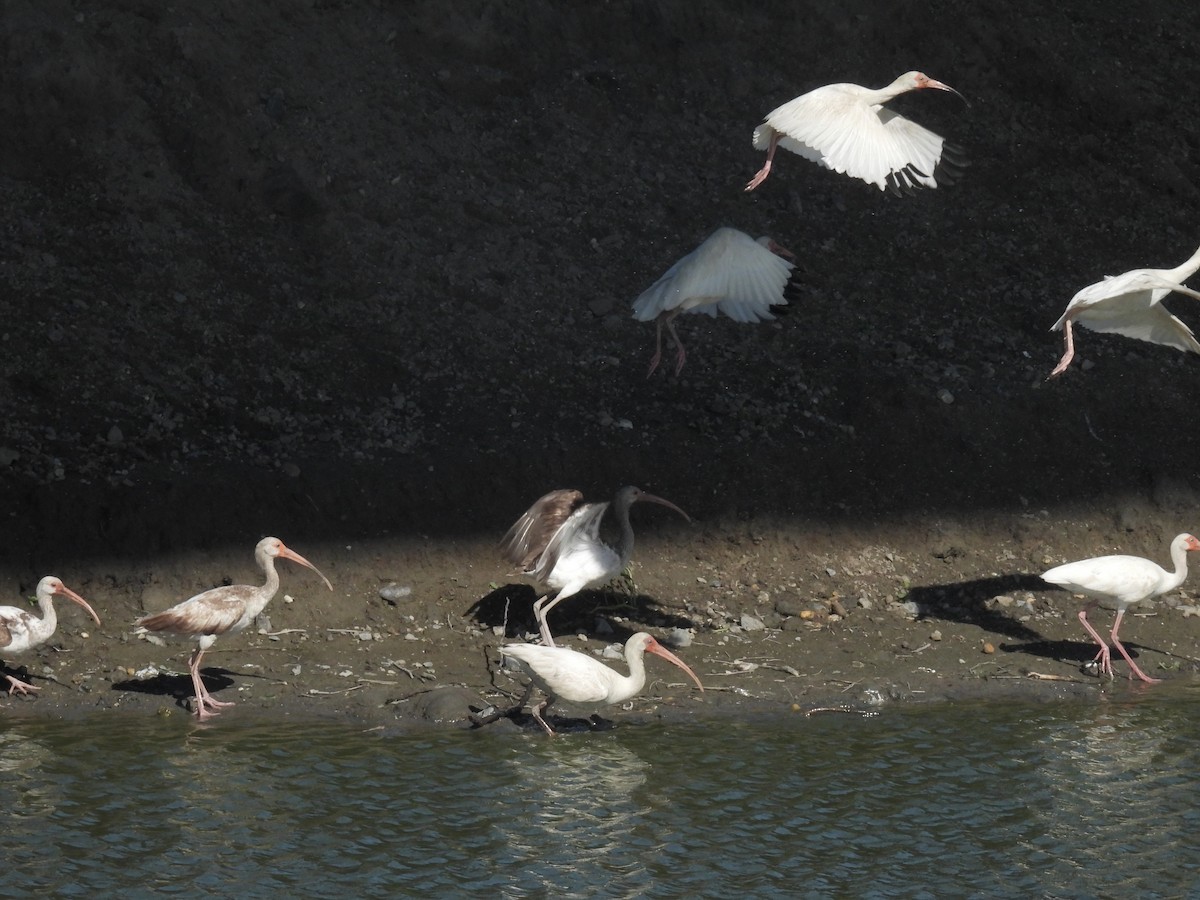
[
  {"x": 511, "y": 606},
  {"x": 179, "y": 686},
  {"x": 966, "y": 601}
]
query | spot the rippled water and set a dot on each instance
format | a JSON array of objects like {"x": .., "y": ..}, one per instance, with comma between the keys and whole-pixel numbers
[{"x": 1074, "y": 800}]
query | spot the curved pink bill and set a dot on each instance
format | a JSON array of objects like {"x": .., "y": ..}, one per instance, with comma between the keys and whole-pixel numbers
[
  {"x": 296, "y": 557},
  {"x": 65, "y": 591},
  {"x": 659, "y": 650},
  {"x": 942, "y": 86},
  {"x": 667, "y": 503}
]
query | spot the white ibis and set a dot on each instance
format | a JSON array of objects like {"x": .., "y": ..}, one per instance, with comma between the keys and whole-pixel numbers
[
  {"x": 845, "y": 127},
  {"x": 557, "y": 541},
  {"x": 563, "y": 674},
  {"x": 223, "y": 610},
  {"x": 730, "y": 272},
  {"x": 1131, "y": 304},
  {"x": 1117, "y": 582},
  {"x": 20, "y": 629}
]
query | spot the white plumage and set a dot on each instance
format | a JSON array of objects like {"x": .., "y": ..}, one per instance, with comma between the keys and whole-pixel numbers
[
  {"x": 21, "y": 630},
  {"x": 1117, "y": 582},
  {"x": 1131, "y": 305},
  {"x": 730, "y": 273},
  {"x": 845, "y": 127},
  {"x": 563, "y": 674},
  {"x": 557, "y": 541}
]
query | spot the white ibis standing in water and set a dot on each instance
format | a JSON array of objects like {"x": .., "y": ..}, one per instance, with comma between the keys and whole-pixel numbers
[
  {"x": 730, "y": 272},
  {"x": 845, "y": 127},
  {"x": 558, "y": 542},
  {"x": 223, "y": 610},
  {"x": 20, "y": 629},
  {"x": 1118, "y": 582},
  {"x": 563, "y": 674},
  {"x": 1131, "y": 304}
]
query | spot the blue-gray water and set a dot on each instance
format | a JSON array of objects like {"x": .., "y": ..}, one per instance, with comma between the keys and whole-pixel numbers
[{"x": 1059, "y": 800}]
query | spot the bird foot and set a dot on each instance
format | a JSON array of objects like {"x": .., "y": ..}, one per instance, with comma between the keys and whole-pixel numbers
[
  {"x": 759, "y": 177},
  {"x": 19, "y": 687}
]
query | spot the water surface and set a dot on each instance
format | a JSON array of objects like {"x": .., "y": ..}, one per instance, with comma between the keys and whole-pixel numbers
[{"x": 1065, "y": 800}]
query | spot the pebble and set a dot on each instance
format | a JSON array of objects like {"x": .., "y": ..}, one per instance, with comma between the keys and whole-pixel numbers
[
  {"x": 752, "y": 623},
  {"x": 678, "y": 638},
  {"x": 393, "y": 592},
  {"x": 989, "y": 647},
  {"x": 935, "y": 636}
]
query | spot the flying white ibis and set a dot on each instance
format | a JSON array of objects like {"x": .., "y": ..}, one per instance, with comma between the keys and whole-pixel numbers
[
  {"x": 845, "y": 127},
  {"x": 557, "y": 541},
  {"x": 1131, "y": 304},
  {"x": 1117, "y": 582},
  {"x": 223, "y": 610},
  {"x": 730, "y": 272},
  {"x": 20, "y": 629},
  {"x": 563, "y": 674}
]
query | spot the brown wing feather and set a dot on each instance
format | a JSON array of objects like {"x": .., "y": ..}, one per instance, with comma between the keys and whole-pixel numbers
[
  {"x": 213, "y": 612},
  {"x": 529, "y": 535}
]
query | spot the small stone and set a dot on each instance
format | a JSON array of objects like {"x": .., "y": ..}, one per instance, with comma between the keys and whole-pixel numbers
[
  {"x": 945, "y": 396},
  {"x": 393, "y": 592},
  {"x": 115, "y": 436},
  {"x": 678, "y": 638},
  {"x": 989, "y": 647},
  {"x": 752, "y": 623},
  {"x": 936, "y": 636}
]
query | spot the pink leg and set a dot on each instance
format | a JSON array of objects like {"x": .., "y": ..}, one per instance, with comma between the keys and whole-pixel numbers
[
  {"x": 19, "y": 687},
  {"x": 543, "y": 626},
  {"x": 203, "y": 698},
  {"x": 1132, "y": 665},
  {"x": 537, "y": 714},
  {"x": 541, "y": 609},
  {"x": 657, "y": 358},
  {"x": 680, "y": 353},
  {"x": 1068, "y": 355},
  {"x": 1104, "y": 654},
  {"x": 762, "y": 173}
]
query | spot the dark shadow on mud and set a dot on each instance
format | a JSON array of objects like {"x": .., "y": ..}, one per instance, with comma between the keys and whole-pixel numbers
[
  {"x": 178, "y": 686},
  {"x": 966, "y": 601},
  {"x": 511, "y": 606}
]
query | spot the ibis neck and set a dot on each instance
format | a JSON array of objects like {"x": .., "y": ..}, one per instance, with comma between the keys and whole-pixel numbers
[
  {"x": 1174, "y": 579},
  {"x": 1182, "y": 272},
  {"x": 632, "y": 683},
  {"x": 264, "y": 594},
  {"x": 625, "y": 544},
  {"x": 49, "y": 621}
]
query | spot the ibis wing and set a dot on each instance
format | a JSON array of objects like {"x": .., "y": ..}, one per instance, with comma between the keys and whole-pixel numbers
[
  {"x": 1115, "y": 577},
  {"x": 528, "y": 537},
  {"x": 563, "y": 673},
  {"x": 582, "y": 525},
  {"x": 1131, "y": 305},
  {"x": 14, "y": 627},
  {"x": 868, "y": 142},
  {"x": 730, "y": 273},
  {"x": 213, "y": 612}
]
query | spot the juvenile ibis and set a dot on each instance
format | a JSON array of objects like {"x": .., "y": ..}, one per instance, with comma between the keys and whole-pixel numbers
[
  {"x": 223, "y": 610},
  {"x": 845, "y": 127},
  {"x": 557, "y": 541},
  {"x": 730, "y": 273},
  {"x": 1117, "y": 582},
  {"x": 1131, "y": 304},
  {"x": 20, "y": 629},
  {"x": 563, "y": 674}
]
